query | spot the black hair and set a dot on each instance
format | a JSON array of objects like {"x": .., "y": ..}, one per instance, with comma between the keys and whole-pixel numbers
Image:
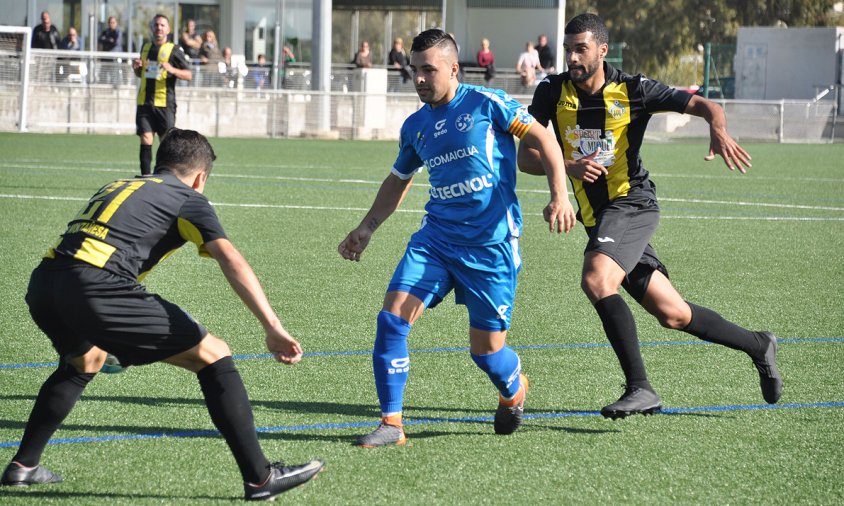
[
  {"x": 433, "y": 37},
  {"x": 183, "y": 151},
  {"x": 589, "y": 22},
  {"x": 152, "y": 22}
]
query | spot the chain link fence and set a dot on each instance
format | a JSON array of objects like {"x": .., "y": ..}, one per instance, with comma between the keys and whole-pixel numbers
[{"x": 93, "y": 92}]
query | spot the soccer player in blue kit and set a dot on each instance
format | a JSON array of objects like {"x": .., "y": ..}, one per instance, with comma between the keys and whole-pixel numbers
[{"x": 468, "y": 240}]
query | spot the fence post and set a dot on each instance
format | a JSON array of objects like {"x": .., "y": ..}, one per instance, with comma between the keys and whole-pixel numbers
[
  {"x": 781, "y": 136},
  {"x": 707, "y": 56}
]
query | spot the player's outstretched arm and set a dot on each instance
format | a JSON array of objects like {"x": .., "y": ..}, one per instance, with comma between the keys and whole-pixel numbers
[
  {"x": 720, "y": 142},
  {"x": 558, "y": 213},
  {"x": 245, "y": 283},
  {"x": 389, "y": 198}
]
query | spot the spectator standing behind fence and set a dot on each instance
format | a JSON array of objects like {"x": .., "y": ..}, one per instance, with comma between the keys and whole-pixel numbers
[
  {"x": 363, "y": 58},
  {"x": 486, "y": 60},
  {"x": 546, "y": 55},
  {"x": 111, "y": 39},
  {"x": 287, "y": 58},
  {"x": 160, "y": 65},
  {"x": 191, "y": 41},
  {"x": 528, "y": 64},
  {"x": 229, "y": 71},
  {"x": 209, "y": 51},
  {"x": 45, "y": 35},
  {"x": 397, "y": 59},
  {"x": 71, "y": 41},
  {"x": 260, "y": 72}
]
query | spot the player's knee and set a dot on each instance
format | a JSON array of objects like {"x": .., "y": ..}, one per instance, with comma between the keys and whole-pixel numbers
[
  {"x": 596, "y": 287},
  {"x": 212, "y": 349},
  {"x": 89, "y": 363},
  {"x": 675, "y": 318}
]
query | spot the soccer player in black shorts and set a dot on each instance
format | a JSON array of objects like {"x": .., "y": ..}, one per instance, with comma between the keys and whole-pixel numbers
[
  {"x": 600, "y": 115},
  {"x": 87, "y": 298},
  {"x": 160, "y": 65}
]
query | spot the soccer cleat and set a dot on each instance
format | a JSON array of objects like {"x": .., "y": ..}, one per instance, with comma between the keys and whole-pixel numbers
[
  {"x": 384, "y": 435},
  {"x": 633, "y": 400},
  {"x": 281, "y": 479},
  {"x": 508, "y": 416},
  {"x": 112, "y": 365},
  {"x": 769, "y": 376},
  {"x": 18, "y": 475}
]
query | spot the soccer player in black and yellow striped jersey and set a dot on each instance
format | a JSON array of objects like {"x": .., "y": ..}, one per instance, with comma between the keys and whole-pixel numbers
[
  {"x": 600, "y": 115},
  {"x": 160, "y": 64},
  {"x": 87, "y": 298}
]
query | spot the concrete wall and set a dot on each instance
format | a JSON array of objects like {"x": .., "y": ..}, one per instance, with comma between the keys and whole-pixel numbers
[{"x": 787, "y": 63}]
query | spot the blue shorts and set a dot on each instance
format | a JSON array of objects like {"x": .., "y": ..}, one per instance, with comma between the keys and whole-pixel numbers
[{"x": 483, "y": 277}]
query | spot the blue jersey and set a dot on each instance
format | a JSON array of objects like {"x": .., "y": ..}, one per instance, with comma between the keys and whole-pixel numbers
[{"x": 468, "y": 149}]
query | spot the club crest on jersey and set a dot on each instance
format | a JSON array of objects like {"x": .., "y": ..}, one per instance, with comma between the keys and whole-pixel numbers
[
  {"x": 616, "y": 110},
  {"x": 464, "y": 122},
  {"x": 524, "y": 116}
]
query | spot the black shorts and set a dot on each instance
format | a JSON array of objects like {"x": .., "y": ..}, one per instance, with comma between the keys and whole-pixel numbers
[
  {"x": 149, "y": 118},
  {"x": 81, "y": 307},
  {"x": 623, "y": 232}
]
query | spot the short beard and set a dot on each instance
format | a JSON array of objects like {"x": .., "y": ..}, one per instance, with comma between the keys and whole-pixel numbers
[{"x": 585, "y": 76}]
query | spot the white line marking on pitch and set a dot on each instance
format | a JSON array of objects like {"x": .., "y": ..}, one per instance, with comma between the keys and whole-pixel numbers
[{"x": 363, "y": 209}]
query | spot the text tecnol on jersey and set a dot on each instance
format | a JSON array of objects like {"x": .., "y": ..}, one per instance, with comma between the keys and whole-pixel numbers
[{"x": 475, "y": 184}]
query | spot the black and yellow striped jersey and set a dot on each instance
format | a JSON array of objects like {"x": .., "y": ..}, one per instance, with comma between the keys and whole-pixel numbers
[
  {"x": 158, "y": 87},
  {"x": 130, "y": 225},
  {"x": 614, "y": 119}
]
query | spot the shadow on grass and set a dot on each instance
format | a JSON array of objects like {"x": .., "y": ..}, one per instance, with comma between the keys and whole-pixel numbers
[{"x": 45, "y": 494}]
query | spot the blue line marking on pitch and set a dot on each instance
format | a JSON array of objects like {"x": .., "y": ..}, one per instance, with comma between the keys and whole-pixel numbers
[
  {"x": 553, "y": 346},
  {"x": 422, "y": 421}
]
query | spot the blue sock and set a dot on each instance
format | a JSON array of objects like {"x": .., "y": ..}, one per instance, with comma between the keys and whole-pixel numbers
[
  {"x": 391, "y": 361},
  {"x": 503, "y": 368}
]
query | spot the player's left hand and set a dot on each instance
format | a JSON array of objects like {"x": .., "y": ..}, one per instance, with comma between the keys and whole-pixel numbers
[
  {"x": 283, "y": 347},
  {"x": 559, "y": 215},
  {"x": 735, "y": 157}
]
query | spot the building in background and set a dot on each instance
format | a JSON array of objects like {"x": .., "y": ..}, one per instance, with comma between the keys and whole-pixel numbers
[{"x": 248, "y": 26}]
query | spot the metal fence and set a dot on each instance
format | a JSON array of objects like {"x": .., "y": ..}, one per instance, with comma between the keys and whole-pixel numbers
[{"x": 94, "y": 92}]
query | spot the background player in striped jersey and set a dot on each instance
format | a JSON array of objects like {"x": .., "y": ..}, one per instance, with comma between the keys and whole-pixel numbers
[
  {"x": 600, "y": 115},
  {"x": 161, "y": 62},
  {"x": 468, "y": 241}
]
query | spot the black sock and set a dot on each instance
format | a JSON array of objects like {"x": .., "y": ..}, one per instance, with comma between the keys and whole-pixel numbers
[
  {"x": 57, "y": 397},
  {"x": 708, "y": 325},
  {"x": 620, "y": 328},
  {"x": 231, "y": 413},
  {"x": 146, "y": 158}
]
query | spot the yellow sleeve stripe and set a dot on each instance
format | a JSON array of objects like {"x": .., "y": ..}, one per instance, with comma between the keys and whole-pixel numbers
[
  {"x": 94, "y": 252},
  {"x": 518, "y": 128},
  {"x": 189, "y": 232}
]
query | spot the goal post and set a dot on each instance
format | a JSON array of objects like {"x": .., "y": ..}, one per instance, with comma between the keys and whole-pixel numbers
[{"x": 15, "y": 42}]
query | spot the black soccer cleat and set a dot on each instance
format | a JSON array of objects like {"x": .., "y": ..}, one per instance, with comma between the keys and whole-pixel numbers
[
  {"x": 634, "y": 400},
  {"x": 281, "y": 479},
  {"x": 769, "y": 376},
  {"x": 18, "y": 475},
  {"x": 508, "y": 416}
]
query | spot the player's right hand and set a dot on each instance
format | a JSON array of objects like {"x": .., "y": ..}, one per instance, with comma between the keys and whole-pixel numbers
[
  {"x": 283, "y": 347},
  {"x": 586, "y": 169},
  {"x": 353, "y": 245},
  {"x": 560, "y": 216}
]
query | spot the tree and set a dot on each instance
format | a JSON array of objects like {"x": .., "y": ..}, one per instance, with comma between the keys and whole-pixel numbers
[{"x": 659, "y": 34}]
